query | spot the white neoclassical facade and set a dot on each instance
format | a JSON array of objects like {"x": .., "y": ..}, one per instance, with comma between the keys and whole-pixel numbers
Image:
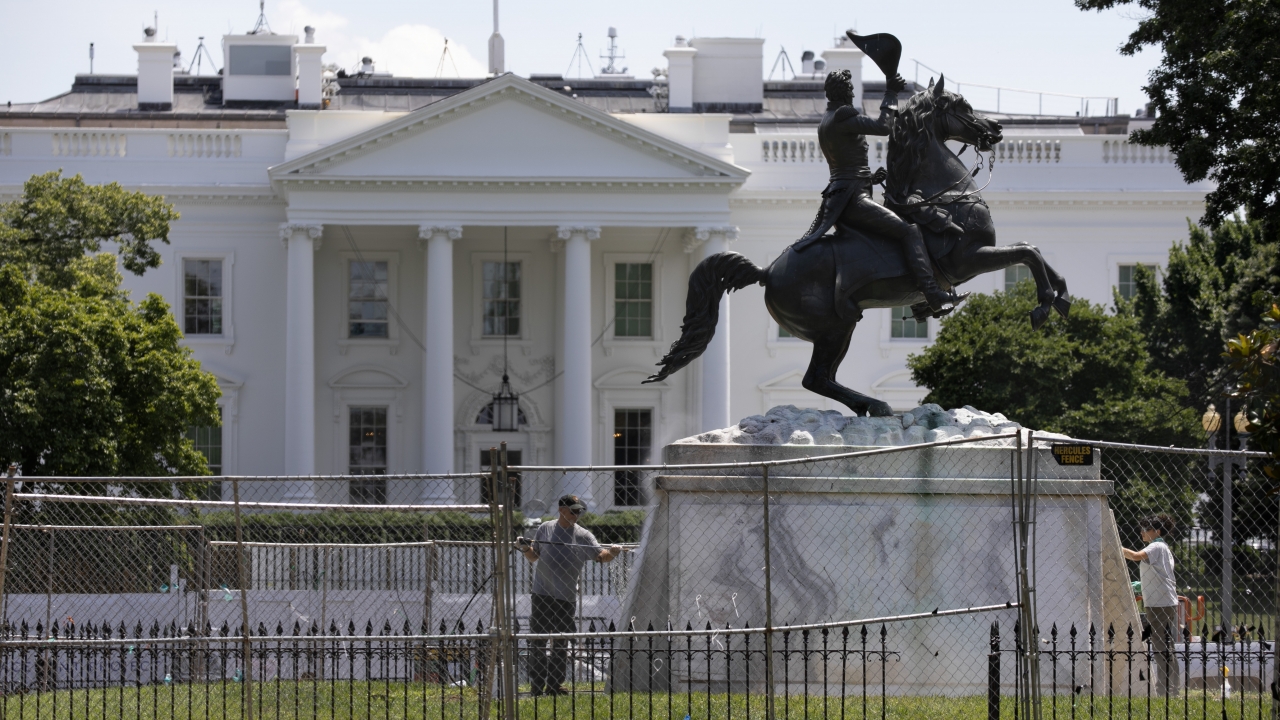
[{"x": 359, "y": 270}]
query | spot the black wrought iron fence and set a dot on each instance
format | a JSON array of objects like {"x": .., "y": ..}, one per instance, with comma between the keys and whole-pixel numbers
[{"x": 849, "y": 672}]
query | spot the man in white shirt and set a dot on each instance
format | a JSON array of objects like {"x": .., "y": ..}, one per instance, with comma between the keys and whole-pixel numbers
[{"x": 1160, "y": 597}]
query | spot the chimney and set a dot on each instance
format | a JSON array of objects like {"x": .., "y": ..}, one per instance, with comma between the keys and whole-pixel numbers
[
  {"x": 806, "y": 63},
  {"x": 728, "y": 75},
  {"x": 680, "y": 76},
  {"x": 155, "y": 72},
  {"x": 308, "y": 57},
  {"x": 846, "y": 56}
]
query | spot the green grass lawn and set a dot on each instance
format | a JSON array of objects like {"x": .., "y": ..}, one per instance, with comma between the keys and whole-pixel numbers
[{"x": 400, "y": 701}]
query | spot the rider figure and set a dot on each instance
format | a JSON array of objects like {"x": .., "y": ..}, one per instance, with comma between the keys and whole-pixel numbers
[{"x": 847, "y": 203}]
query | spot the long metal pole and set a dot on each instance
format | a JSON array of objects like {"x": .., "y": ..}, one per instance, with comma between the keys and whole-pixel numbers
[
  {"x": 768, "y": 605},
  {"x": 244, "y": 603},
  {"x": 1227, "y": 512},
  {"x": 4, "y": 541},
  {"x": 1275, "y": 625},
  {"x": 1030, "y": 599},
  {"x": 495, "y": 624},
  {"x": 509, "y": 604}
]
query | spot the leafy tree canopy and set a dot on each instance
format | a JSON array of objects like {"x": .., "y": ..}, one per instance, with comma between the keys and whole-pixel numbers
[
  {"x": 1088, "y": 376},
  {"x": 1219, "y": 284},
  {"x": 91, "y": 383},
  {"x": 1215, "y": 97},
  {"x": 59, "y": 219}
]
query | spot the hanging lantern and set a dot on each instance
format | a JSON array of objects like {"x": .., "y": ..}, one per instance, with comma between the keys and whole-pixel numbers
[{"x": 506, "y": 408}]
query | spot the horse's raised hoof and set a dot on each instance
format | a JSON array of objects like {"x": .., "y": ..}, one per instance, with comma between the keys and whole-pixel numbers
[
  {"x": 879, "y": 409},
  {"x": 1039, "y": 317},
  {"x": 1062, "y": 305}
]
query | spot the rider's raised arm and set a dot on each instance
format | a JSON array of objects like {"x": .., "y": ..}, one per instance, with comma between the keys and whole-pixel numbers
[{"x": 851, "y": 121}]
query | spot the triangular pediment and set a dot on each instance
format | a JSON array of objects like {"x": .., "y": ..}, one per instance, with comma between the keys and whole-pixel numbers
[{"x": 508, "y": 129}]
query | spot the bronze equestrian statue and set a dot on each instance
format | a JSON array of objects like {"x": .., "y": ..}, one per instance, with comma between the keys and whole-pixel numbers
[{"x": 818, "y": 288}]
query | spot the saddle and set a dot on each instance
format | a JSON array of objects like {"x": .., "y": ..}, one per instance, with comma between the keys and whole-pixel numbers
[{"x": 861, "y": 259}]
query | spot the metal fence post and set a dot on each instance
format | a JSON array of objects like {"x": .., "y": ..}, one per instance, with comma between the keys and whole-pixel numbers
[
  {"x": 1228, "y": 477},
  {"x": 484, "y": 695},
  {"x": 993, "y": 675},
  {"x": 4, "y": 541},
  {"x": 508, "y": 645},
  {"x": 244, "y": 603},
  {"x": 768, "y": 605},
  {"x": 1275, "y": 624}
]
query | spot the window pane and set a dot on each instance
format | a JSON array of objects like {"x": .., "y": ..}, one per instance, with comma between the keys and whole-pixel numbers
[
  {"x": 633, "y": 300},
  {"x": 784, "y": 333},
  {"x": 367, "y": 305},
  {"x": 208, "y": 442},
  {"x": 501, "y": 299},
  {"x": 904, "y": 325},
  {"x": 367, "y": 453},
  {"x": 202, "y": 297},
  {"x": 1014, "y": 275},
  {"x": 632, "y": 441},
  {"x": 1128, "y": 285}
]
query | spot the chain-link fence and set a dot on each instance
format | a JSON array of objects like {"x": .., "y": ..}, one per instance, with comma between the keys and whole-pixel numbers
[{"x": 781, "y": 581}]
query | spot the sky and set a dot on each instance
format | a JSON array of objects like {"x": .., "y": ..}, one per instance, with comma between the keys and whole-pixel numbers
[{"x": 1040, "y": 45}]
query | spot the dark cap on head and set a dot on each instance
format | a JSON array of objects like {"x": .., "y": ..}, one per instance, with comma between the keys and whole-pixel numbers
[{"x": 572, "y": 502}]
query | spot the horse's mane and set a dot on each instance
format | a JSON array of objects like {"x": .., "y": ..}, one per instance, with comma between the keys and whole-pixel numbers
[{"x": 910, "y": 139}]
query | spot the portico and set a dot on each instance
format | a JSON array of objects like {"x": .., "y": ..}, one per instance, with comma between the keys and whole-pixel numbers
[{"x": 430, "y": 194}]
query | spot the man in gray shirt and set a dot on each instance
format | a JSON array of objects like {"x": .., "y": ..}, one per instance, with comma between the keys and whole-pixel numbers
[{"x": 559, "y": 549}]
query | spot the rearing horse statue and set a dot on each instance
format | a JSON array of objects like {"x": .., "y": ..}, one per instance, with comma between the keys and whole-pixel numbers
[{"x": 818, "y": 293}]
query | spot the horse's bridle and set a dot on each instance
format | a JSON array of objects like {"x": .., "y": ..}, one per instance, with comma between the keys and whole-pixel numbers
[{"x": 962, "y": 197}]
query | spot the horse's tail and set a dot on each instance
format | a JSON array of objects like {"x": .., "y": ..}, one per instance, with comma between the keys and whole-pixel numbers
[{"x": 714, "y": 276}]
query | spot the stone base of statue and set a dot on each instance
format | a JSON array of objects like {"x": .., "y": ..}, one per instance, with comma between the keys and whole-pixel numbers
[{"x": 876, "y": 536}]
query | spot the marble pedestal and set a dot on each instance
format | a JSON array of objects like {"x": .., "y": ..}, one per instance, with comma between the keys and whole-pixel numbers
[{"x": 897, "y": 533}]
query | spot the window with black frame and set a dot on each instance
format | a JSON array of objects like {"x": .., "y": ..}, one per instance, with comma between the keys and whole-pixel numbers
[
  {"x": 486, "y": 495},
  {"x": 632, "y": 440},
  {"x": 208, "y": 442},
  {"x": 367, "y": 454}
]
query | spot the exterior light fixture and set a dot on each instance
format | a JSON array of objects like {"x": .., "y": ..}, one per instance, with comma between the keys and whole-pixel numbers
[
  {"x": 1241, "y": 423},
  {"x": 1211, "y": 420},
  {"x": 506, "y": 408}
]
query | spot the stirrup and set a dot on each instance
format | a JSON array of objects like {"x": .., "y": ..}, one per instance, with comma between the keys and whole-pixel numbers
[{"x": 939, "y": 301}]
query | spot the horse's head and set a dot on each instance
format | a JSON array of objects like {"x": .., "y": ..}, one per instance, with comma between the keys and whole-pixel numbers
[{"x": 955, "y": 119}]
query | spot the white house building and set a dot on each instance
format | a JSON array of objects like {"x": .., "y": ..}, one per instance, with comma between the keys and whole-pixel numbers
[{"x": 354, "y": 266}]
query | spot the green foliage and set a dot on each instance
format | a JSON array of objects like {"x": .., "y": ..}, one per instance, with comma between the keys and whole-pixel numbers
[
  {"x": 352, "y": 527},
  {"x": 59, "y": 220},
  {"x": 1214, "y": 92},
  {"x": 1220, "y": 283},
  {"x": 90, "y": 383},
  {"x": 1253, "y": 357},
  {"x": 1088, "y": 376},
  {"x": 338, "y": 526}
]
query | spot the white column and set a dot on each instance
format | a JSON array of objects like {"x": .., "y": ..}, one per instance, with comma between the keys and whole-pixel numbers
[
  {"x": 301, "y": 243},
  {"x": 437, "y": 365},
  {"x": 715, "y": 360},
  {"x": 575, "y": 427}
]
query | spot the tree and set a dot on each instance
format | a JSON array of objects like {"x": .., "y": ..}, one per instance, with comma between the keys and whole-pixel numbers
[
  {"x": 1219, "y": 284},
  {"x": 1214, "y": 95},
  {"x": 1088, "y": 376},
  {"x": 1253, "y": 357},
  {"x": 91, "y": 383},
  {"x": 58, "y": 220}
]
